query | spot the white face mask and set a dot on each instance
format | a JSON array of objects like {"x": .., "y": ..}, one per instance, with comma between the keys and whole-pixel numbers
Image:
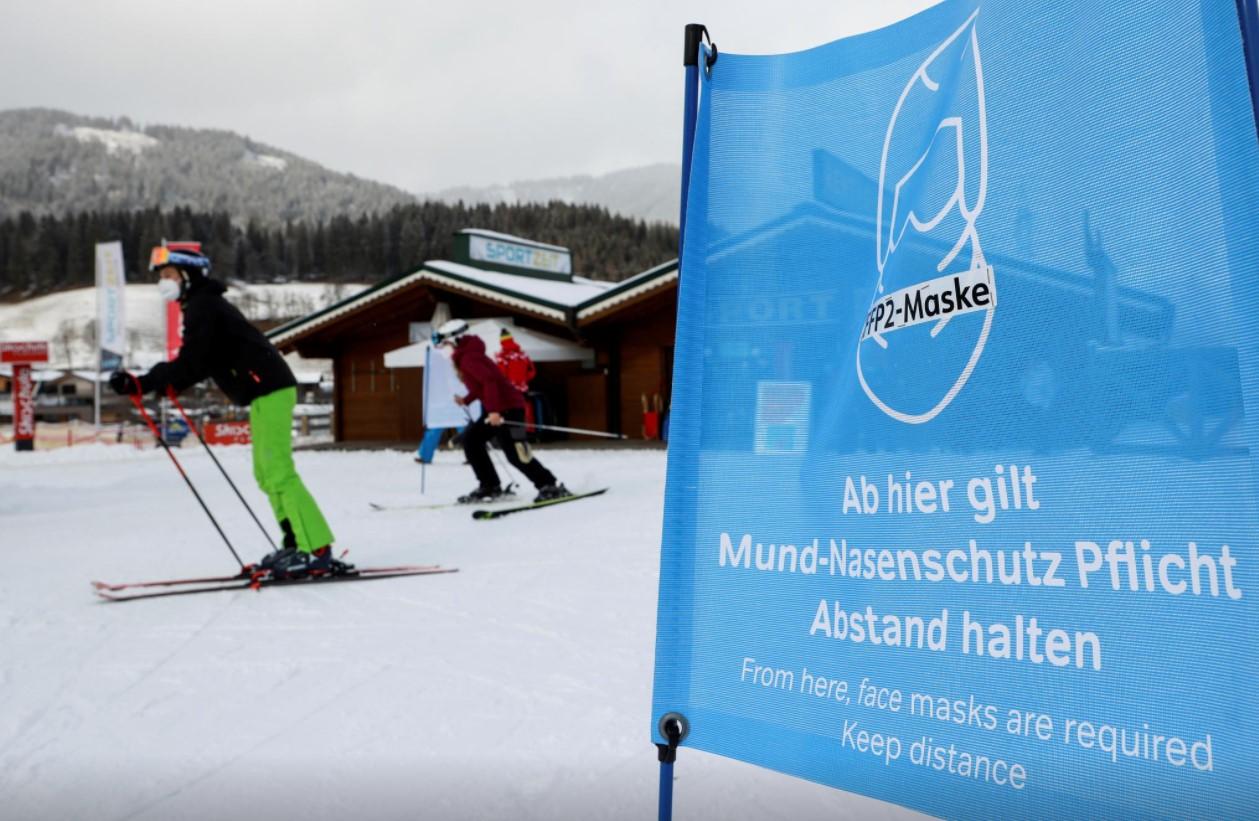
[{"x": 169, "y": 289}]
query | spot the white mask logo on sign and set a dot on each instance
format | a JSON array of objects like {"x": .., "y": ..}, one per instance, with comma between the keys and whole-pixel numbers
[{"x": 924, "y": 347}]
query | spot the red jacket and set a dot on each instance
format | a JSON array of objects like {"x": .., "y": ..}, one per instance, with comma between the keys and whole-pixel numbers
[
  {"x": 515, "y": 364},
  {"x": 482, "y": 377}
]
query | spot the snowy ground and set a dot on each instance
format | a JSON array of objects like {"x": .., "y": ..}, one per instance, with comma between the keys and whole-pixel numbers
[{"x": 517, "y": 688}]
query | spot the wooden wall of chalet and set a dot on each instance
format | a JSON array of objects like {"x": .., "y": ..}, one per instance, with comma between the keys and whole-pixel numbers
[
  {"x": 635, "y": 345},
  {"x": 646, "y": 367},
  {"x": 587, "y": 403},
  {"x": 372, "y": 402}
]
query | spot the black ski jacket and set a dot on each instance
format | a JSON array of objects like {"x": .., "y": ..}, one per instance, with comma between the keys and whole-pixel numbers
[{"x": 220, "y": 343}]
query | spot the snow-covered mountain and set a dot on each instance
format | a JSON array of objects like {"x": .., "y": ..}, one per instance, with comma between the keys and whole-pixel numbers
[
  {"x": 650, "y": 192},
  {"x": 52, "y": 162}
]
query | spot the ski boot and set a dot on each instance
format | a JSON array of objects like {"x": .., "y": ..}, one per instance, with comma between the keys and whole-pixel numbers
[
  {"x": 287, "y": 546},
  {"x": 548, "y": 493},
  {"x": 297, "y": 564},
  {"x": 484, "y": 494}
]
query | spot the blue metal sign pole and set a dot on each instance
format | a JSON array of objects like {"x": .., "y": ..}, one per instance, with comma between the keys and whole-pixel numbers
[
  {"x": 673, "y": 727},
  {"x": 690, "y": 107}
]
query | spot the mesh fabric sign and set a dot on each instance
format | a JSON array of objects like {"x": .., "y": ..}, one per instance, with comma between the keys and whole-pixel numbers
[{"x": 961, "y": 506}]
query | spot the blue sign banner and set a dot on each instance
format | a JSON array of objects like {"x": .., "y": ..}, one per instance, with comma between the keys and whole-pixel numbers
[{"x": 962, "y": 508}]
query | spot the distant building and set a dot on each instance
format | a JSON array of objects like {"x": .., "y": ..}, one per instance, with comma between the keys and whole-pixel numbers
[
  {"x": 600, "y": 347},
  {"x": 59, "y": 395}
]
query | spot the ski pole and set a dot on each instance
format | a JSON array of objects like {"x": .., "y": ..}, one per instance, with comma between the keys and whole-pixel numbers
[
  {"x": 170, "y": 393},
  {"x": 138, "y": 400},
  {"x": 566, "y": 430}
]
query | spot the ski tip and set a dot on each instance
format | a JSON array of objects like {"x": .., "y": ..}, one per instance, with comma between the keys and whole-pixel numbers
[{"x": 99, "y": 586}]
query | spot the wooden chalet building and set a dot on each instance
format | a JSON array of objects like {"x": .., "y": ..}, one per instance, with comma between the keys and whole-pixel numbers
[{"x": 599, "y": 347}]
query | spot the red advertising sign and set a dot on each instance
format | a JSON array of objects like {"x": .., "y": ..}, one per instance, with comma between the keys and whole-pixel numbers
[
  {"x": 23, "y": 407},
  {"x": 174, "y": 330},
  {"x": 23, "y": 351},
  {"x": 175, "y": 314},
  {"x": 227, "y": 433}
]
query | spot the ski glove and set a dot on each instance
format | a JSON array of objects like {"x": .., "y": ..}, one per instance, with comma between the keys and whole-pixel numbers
[{"x": 123, "y": 383}]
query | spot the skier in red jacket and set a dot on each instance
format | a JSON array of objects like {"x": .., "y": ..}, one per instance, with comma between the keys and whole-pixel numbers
[
  {"x": 518, "y": 368},
  {"x": 500, "y": 402},
  {"x": 513, "y": 362}
]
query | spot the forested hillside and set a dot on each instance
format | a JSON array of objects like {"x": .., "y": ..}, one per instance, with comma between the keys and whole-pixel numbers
[{"x": 48, "y": 253}]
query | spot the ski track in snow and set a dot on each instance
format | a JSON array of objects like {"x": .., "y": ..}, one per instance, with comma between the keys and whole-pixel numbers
[{"x": 517, "y": 688}]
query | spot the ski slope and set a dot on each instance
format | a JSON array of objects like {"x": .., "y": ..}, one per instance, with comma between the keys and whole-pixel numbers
[{"x": 517, "y": 688}]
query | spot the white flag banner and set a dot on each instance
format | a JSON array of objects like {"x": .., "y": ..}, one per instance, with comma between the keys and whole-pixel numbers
[
  {"x": 441, "y": 384},
  {"x": 111, "y": 315}
]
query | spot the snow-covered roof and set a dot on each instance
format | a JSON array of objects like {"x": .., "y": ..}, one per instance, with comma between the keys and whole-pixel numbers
[
  {"x": 629, "y": 289},
  {"x": 562, "y": 302},
  {"x": 555, "y": 292},
  {"x": 52, "y": 374},
  {"x": 46, "y": 376}
]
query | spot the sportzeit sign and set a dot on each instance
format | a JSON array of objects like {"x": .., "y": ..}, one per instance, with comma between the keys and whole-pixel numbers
[
  {"x": 512, "y": 253},
  {"x": 962, "y": 507}
]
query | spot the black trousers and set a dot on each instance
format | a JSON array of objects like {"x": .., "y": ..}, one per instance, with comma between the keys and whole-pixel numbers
[{"x": 512, "y": 441}]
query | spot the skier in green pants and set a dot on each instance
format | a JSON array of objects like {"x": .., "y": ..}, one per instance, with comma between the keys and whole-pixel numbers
[
  {"x": 271, "y": 428},
  {"x": 220, "y": 343}
]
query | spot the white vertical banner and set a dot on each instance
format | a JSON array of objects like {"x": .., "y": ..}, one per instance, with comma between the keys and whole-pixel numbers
[
  {"x": 111, "y": 318},
  {"x": 441, "y": 384}
]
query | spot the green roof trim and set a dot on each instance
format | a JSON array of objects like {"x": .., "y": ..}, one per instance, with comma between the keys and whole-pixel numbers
[{"x": 633, "y": 282}]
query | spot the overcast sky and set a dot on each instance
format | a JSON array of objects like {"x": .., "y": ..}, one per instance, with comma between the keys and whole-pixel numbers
[{"x": 423, "y": 95}]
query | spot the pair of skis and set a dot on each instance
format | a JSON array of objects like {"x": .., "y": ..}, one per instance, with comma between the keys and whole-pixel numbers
[
  {"x": 497, "y": 512},
  {"x": 131, "y": 591},
  {"x": 244, "y": 580}
]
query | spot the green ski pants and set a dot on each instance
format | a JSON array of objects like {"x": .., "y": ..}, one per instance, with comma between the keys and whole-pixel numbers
[{"x": 271, "y": 427}]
